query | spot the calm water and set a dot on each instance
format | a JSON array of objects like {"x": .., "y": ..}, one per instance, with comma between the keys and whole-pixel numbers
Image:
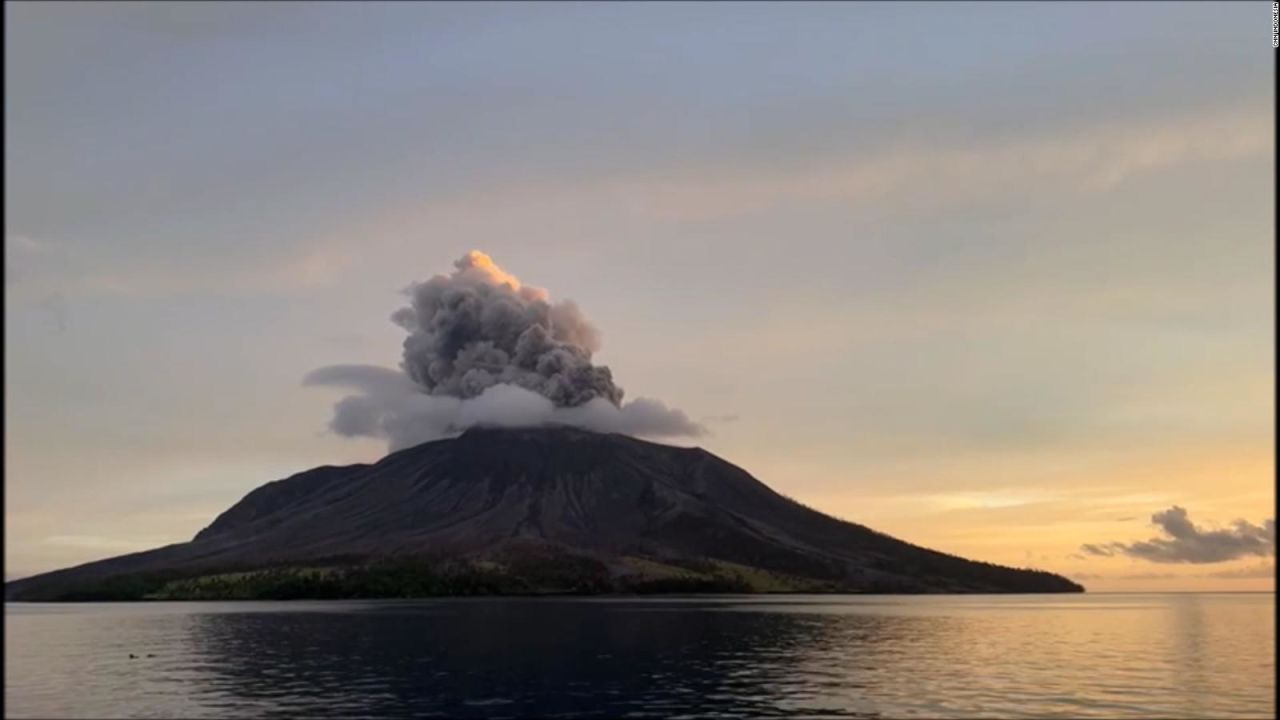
[{"x": 975, "y": 656}]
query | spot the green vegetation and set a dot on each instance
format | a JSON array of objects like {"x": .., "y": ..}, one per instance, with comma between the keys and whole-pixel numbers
[
  {"x": 767, "y": 581},
  {"x": 522, "y": 572},
  {"x": 528, "y": 570},
  {"x": 646, "y": 575},
  {"x": 114, "y": 588},
  {"x": 685, "y": 584},
  {"x": 382, "y": 579}
]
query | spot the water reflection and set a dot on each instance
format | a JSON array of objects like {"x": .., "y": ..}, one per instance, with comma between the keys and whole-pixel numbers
[
  {"x": 1088, "y": 656},
  {"x": 538, "y": 658}
]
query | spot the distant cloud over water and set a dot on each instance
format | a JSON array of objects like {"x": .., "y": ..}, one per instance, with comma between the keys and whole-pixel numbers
[{"x": 1184, "y": 542}]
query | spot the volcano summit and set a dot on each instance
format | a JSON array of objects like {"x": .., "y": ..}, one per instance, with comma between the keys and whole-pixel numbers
[{"x": 530, "y": 510}]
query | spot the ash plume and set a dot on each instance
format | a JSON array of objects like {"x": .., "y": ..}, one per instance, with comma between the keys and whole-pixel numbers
[
  {"x": 480, "y": 327},
  {"x": 484, "y": 349}
]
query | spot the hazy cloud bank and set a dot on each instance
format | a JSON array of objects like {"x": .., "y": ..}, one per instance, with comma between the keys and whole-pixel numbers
[{"x": 1184, "y": 542}]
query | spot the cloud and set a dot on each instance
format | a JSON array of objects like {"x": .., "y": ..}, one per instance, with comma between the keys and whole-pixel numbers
[
  {"x": 1251, "y": 572},
  {"x": 1262, "y": 570},
  {"x": 480, "y": 327},
  {"x": 1096, "y": 158},
  {"x": 27, "y": 257},
  {"x": 1097, "y": 550},
  {"x": 1186, "y": 543},
  {"x": 391, "y": 407},
  {"x": 1128, "y": 576},
  {"x": 95, "y": 542},
  {"x": 40, "y": 267},
  {"x": 485, "y": 349}
]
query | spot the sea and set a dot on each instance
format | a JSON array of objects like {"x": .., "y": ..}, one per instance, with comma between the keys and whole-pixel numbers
[{"x": 971, "y": 656}]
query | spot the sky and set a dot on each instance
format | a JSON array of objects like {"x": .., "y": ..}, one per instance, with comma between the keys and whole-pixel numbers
[{"x": 997, "y": 279}]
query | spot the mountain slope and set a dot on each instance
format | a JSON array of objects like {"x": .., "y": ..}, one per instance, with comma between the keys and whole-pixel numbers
[{"x": 491, "y": 492}]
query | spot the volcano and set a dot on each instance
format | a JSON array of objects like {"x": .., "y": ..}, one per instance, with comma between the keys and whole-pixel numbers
[{"x": 516, "y": 508}]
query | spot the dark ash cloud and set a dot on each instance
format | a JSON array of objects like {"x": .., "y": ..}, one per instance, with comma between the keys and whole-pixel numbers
[
  {"x": 1186, "y": 543},
  {"x": 480, "y": 327},
  {"x": 483, "y": 349}
]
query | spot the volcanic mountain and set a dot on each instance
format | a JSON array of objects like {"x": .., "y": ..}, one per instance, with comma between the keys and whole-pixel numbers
[{"x": 624, "y": 513}]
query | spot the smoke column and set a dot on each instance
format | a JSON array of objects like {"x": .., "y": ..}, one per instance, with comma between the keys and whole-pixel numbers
[{"x": 484, "y": 349}]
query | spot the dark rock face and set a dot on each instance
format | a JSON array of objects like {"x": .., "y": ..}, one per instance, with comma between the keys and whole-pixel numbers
[{"x": 603, "y": 496}]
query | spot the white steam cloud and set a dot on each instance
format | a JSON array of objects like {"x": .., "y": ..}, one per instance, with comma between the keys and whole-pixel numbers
[{"x": 485, "y": 350}]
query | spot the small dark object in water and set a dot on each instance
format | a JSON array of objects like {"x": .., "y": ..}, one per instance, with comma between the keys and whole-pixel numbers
[
  {"x": 132, "y": 656},
  {"x": 150, "y": 655}
]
